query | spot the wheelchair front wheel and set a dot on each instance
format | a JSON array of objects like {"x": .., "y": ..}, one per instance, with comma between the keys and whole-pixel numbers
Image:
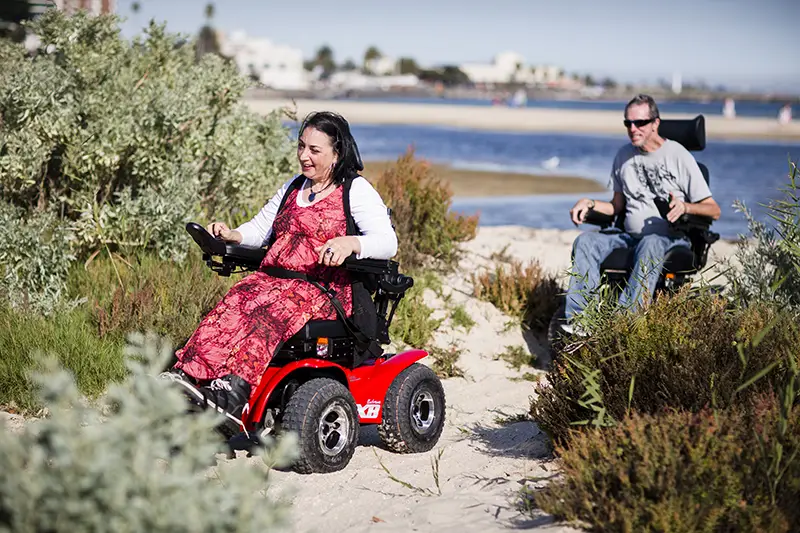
[
  {"x": 413, "y": 411},
  {"x": 324, "y": 415}
]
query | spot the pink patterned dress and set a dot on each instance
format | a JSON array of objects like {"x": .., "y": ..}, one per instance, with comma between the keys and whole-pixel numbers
[{"x": 243, "y": 332}]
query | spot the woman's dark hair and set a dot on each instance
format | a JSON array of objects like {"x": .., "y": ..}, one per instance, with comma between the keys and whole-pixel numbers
[{"x": 348, "y": 163}]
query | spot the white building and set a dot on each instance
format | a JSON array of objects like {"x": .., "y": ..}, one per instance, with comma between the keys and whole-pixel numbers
[
  {"x": 510, "y": 67},
  {"x": 95, "y": 7},
  {"x": 507, "y": 67},
  {"x": 277, "y": 66},
  {"x": 381, "y": 66},
  {"x": 345, "y": 80}
]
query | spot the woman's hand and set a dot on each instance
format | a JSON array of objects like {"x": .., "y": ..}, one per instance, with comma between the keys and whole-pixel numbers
[
  {"x": 336, "y": 250},
  {"x": 221, "y": 231}
]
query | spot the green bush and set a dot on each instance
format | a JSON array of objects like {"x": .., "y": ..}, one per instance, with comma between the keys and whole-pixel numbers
[
  {"x": 35, "y": 257},
  {"x": 680, "y": 472},
  {"x": 137, "y": 462},
  {"x": 420, "y": 204},
  {"x": 69, "y": 334},
  {"x": 682, "y": 352},
  {"x": 126, "y": 142},
  {"x": 145, "y": 293},
  {"x": 769, "y": 259}
]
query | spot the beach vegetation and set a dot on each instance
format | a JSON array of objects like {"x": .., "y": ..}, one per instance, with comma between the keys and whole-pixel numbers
[
  {"x": 428, "y": 230},
  {"x": 93, "y": 162},
  {"x": 526, "y": 292},
  {"x": 685, "y": 416},
  {"x": 445, "y": 361},
  {"x": 460, "y": 318},
  {"x": 131, "y": 461},
  {"x": 517, "y": 357}
]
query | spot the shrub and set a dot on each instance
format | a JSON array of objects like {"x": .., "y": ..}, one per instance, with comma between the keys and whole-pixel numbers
[
  {"x": 34, "y": 259},
  {"x": 679, "y": 471},
  {"x": 145, "y": 293},
  {"x": 684, "y": 352},
  {"x": 420, "y": 205},
  {"x": 69, "y": 334},
  {"x": 126, "y": 142},
  {"x": 525, "y": 292},
  {"x": 770, "y": 258},
  {"x": 412, "y": 323},
  {"x": 137, "y": 462}
]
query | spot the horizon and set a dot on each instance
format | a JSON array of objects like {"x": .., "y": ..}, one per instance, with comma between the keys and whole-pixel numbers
[{"x": 710, "y": 50}]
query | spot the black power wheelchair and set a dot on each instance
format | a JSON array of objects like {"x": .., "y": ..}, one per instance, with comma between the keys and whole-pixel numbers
[{"x": 681, "y": 264}]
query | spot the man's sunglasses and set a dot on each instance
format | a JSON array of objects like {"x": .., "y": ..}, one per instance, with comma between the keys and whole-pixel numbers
[{"x": 638, "y": 123}]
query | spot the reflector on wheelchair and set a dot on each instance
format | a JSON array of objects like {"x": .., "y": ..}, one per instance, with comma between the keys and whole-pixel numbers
[{"x": 322, "y": 347}]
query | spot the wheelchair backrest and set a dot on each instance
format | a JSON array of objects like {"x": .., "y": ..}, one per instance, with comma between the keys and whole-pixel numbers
[{"x": 691, "y": 133}]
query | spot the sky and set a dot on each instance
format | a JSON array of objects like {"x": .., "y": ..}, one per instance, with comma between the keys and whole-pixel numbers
[{"x": 744, "y": 44}]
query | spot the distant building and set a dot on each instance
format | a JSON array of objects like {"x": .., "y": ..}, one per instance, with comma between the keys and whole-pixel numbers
[
  {"x": 381, "y": 66},
  {"x": 354, "y": 80},
  {"x": 95, "y": 7},
  {"x": 510, "y": 67},
  {"x": 277, "y": 66}
]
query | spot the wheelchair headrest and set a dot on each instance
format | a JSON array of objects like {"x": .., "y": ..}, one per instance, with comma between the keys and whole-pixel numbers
[{"x": 691, "y": 133}]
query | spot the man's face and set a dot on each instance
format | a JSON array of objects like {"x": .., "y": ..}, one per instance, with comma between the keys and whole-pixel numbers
[{"x": 639, "y": 124}]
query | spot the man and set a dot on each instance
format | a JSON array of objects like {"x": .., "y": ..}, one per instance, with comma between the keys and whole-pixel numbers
[{"x": 648, "y": 168}]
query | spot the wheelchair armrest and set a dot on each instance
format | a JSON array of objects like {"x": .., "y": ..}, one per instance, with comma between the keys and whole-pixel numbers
[
  {"x": 396, "y": 283},
  {"x": 697, "y": 227},
  {"x": 596, "y": 218},
  {"x": 233, "y": 255},
  {"x": 694, "y": 221},
  {"x": 370, "y": 266}
]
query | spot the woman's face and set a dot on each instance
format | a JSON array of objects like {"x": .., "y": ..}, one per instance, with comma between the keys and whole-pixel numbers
[{"x": 315, "y": 154}]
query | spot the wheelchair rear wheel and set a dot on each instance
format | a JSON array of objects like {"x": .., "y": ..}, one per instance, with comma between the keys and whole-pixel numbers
[
  {"x": 413, "y": 411},
  {"x": 324, "y": 415}
]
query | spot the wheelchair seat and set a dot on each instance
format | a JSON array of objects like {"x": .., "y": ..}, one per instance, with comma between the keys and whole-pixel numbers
[{"x": 680, "y": 260}]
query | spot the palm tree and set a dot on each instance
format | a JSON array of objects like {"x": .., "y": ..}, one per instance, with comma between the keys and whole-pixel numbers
[
  {"x": 371, "y": 54},
  {"x": 207, "y": 40}
]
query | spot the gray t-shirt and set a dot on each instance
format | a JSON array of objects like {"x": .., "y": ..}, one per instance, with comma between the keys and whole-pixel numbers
[{"x": 643, "y": 176}]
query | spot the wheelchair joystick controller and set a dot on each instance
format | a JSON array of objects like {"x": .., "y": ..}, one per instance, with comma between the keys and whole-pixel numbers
[{"x": 662, "y": 205}]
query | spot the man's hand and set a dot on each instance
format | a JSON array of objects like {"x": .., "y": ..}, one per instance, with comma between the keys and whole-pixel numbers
[
  {"x": 677, "y": 207},
  {"x": 336, "y": 250},
  {"x": 221, "y": 231},
  {"x": 580, "y": 210}
]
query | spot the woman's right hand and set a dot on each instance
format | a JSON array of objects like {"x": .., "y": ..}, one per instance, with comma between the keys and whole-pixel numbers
[{"x": 221, "y": 231}]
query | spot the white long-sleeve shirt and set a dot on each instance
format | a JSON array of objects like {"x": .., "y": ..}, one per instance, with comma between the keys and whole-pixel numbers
[{"x": 379, "y": 241}]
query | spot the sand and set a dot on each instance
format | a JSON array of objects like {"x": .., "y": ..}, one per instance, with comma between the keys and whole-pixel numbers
[
  {"x": 477, "y": 183},
  {"x": 523, "y": 120},
  {"x": 485, "y": 460}
]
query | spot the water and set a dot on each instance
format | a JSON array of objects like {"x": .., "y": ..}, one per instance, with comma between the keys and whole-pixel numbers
[
  {"x": 750, "y": 171},
  {"x": 713, "y": 107}
]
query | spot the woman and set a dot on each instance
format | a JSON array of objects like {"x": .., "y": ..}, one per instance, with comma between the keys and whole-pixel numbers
[{"x": 235, "y": 342}]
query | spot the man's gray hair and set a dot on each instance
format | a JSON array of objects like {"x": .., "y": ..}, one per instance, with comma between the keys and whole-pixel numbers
[{"x": 640, "y": 99}]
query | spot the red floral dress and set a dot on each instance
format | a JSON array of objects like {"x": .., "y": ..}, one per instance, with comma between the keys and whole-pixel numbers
[{"x": 244, "y": 331}]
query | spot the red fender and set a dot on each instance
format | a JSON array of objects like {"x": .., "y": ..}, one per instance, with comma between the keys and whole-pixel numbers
[
  {"x": 369, "y": 383},
  {"x": 272, "y": 377}
]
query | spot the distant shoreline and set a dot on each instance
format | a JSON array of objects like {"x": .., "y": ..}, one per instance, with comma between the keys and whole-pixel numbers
[
  {"x": 518, "y": 119},
  {"x": 481, "y": 183}
]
